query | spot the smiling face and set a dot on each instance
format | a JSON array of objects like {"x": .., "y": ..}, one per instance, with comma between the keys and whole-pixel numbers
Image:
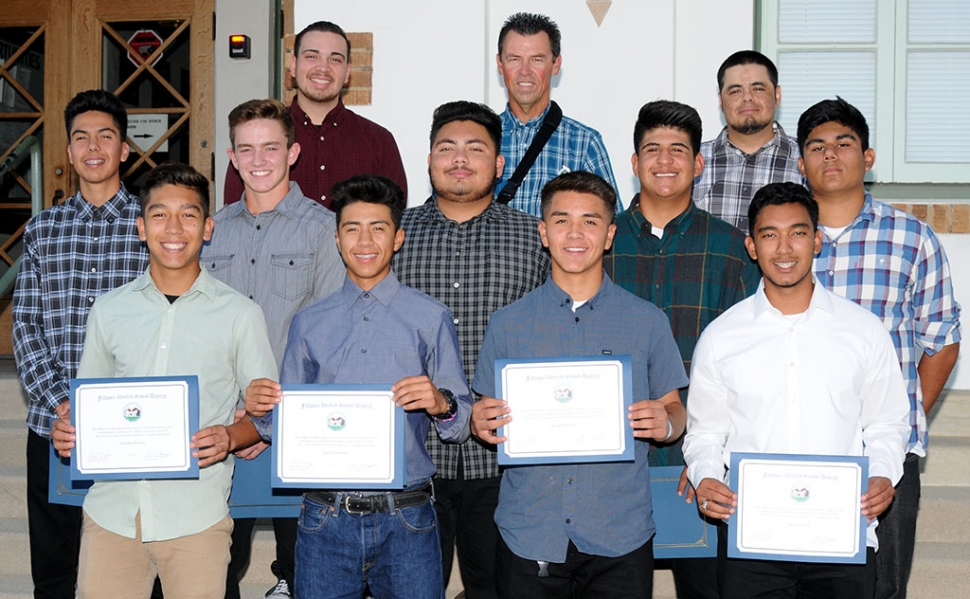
[
  {"x": 321, "y": 68},
  {"x": 464, "y": 163},
  {"x": 784, "y": 245},
  {"x": 96, "y": 149},
  {"x": 666, "y": 165},
  {"x": 527, "y": 65},
  {"x": 367, "y": 240},
  {"x": 834, "y": 162},
  {"x": 262, "y": 158},
  {"x": 748, "y": 99},
  {"x": 174, "y": 228},
  {"x": 576, "y": 231}
]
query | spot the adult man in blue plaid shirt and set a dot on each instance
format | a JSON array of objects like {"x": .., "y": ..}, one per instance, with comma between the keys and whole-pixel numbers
[
  {"x": 73, "y": 253},
  {"x": 891, "y": 263},
  {"x": 528, "y": 57}
]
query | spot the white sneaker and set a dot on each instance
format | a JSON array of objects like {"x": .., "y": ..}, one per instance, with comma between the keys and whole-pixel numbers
[{"x": 280, "y": 591}]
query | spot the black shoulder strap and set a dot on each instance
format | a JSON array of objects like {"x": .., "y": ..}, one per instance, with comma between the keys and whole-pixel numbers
[{"x": 548, "y": 127}]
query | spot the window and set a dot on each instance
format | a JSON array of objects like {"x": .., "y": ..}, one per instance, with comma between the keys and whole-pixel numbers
[{"x": 904, "y": 63}]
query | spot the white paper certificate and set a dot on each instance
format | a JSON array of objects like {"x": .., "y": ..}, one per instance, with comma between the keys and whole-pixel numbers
[
  {"x": 800, "y": 509},
  {"x": 134, "y": 429},
  {"x": 345, "y": 437},
  {"x": 566, "y": 411}
]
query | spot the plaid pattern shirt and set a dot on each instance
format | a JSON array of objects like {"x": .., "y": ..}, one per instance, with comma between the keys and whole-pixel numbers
[
  {"x": 892, "y": 264},
  {"x": 696, "y": 272},
  {"x": 474, "y": 268},
  {"x": 73, "y": 253},
  {"x": 731, "y": 178},
  {"x": 572, "y": 147}
]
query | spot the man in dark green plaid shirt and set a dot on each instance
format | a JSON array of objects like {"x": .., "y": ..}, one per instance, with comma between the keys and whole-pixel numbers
[{"x": 692, "y": 265}]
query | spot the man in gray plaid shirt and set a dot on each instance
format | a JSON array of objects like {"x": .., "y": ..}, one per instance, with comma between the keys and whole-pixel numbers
[
  {"x": 475, "y": 256},
  {"x": 752, "y": 150}
]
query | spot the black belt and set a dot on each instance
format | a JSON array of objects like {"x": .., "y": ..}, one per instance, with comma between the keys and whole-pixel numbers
[{"x": 354, "y": 503}]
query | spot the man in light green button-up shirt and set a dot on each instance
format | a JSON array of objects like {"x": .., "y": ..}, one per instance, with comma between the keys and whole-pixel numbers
[{"x": 175, "y": 319}]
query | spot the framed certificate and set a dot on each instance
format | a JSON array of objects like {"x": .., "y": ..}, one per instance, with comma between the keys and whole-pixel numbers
[
  {"x": 134, "y": 428},
  {"x": 681, "y": 531},
  {"x": 566, "y": 410},
  {"x": 338, "y": 437},
  {"x": 799, "y": 508}
]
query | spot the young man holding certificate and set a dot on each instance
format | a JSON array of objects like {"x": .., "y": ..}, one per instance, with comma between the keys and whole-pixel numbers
[
  {"x": 373, "y": 331},
  {"x": 795, "y": 369},
  {"x": 174, "y": 320},
  {"x": 580, "y": 529}
]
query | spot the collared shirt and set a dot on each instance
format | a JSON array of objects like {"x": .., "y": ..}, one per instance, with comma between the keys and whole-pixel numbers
[
  {"x": 284, "y": 259},
  {"x": 73, "y": 253},
  {"x": 696, "y": 272},
  {"x": 210, "y": 331},
  {"x": 344, "y": 145},
  {"x": 604, "y": 508},
  {"x": 572, "y": 147},
  {"x": 892, "y": 264},
  {"x": 731, "y": 178},
  {"x": 474, "y": 268},
  {"x": 822, "y": 382},
  {"x": 380, "y": 337}
]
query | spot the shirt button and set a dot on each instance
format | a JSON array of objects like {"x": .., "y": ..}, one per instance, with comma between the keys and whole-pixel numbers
[
  {"x": 456, "y": 321},
  {"x": 457, "y": 254},
  {"x": 323, "y": 167},
  {"x": 577, "y": 319},
  {"x": 323, "y": 197},
  {"x": 164, "y": 346},
  {"x": 367, "y": 319},
  {"x": 321, "y": 138},
  {"x": 831, "y": 273},
  {"x": 259, "y": 227},
  {"x": 97, "y": 238},
  {"x": 252, "y": 261},
  {"x": 569, "y": 480},
  {"x": 363, "y": 351},
  {"x": 93, "y": 269},
  {"x": 569, "y": 521},
  {"x": 90, "y": 300},
  {"x": 367, "y": 295},
  {"x": 457, "y": 285}
]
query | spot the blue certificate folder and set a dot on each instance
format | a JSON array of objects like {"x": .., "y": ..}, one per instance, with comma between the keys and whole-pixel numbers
[
  {"x": 340, "y": 417},
  {"x": 800, "y": 487},
  {"x": 681, "y": 531},
  {"x": 563, "y": 389},
  {"x": 135, "y": 400}
]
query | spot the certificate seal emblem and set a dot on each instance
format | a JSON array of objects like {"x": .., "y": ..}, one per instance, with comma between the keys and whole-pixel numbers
[
  {"x": 132, "y": 412},
  {"x": 562, "y": 394},
  {"x": 800, "y": 494},
  {"x": 336, "y": 422}
]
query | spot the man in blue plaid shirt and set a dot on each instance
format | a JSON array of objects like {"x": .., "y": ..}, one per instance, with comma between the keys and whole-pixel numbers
[
  {"x": 73, "y": 253},
  {"x": 891, "y": 263}
]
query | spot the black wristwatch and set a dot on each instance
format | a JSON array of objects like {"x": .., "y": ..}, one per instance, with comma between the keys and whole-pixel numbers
[{"x": 452, "y": 407}]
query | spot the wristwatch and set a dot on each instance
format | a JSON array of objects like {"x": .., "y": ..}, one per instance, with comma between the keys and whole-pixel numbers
[{"x": 452, "y": 407}]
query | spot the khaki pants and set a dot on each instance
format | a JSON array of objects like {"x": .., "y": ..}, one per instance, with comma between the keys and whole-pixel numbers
[{"x": 116, "y": 567}]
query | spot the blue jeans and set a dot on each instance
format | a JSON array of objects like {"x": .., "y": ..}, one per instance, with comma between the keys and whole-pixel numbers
[{"x": 396, "y": 553}]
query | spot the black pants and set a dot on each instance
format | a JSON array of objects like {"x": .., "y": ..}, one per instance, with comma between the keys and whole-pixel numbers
[
  {"x": 897, "y": 534},
  {"x": 55, "y": 530},
  {"x": 466, "y": 512},
  {"x": 628, "y": 576},
  {"x": 242, "y": 547}
]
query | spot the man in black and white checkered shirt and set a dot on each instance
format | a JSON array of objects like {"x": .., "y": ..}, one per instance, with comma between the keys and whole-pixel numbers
[{"x": 475, "y": 256}]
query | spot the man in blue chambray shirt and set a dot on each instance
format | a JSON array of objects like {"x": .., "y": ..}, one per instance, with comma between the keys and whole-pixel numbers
[
  {"x": 581, "y": 530},
  {"x": 374, "y": 330}
]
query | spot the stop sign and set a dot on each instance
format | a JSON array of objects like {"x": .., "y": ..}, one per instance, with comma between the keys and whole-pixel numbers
[{"x": 144, "y": 42}]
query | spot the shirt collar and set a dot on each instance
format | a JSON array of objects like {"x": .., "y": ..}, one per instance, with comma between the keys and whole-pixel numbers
[
  {"x": 532, "y": 123},
  {"x": 554, "y": 294},
  {"x": 204, "y": 284},
  {"x": 681, "y": 222},
  {"x": 429, "y": 211},
  {"x": 333, "y": 117},
  {"x": 722, "y": 138},
  {"x": 286, "y": 207},
  {"x": 110, "y": 210},
  {"x": 821, "y": 300},
  {"x": 384, "y": 291}
]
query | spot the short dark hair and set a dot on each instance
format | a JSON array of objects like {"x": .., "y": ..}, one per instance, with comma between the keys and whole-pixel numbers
[
  {"x": 176, "y": 173},
  {"x": 744, "y": 57},
  {"x": 372, "y": 189},
  {"x": 581, "y": 182},
  {"x": 262, "y": 109},
  {"x": 777, "y": 194},
  {"x": 468, "y": 111},
  {"x": 322, "y": 27},
  {"x": 664, "y": 113},
  {"x": 827, "y": 111},
  {"x": 525, "y": 23},
  {"x": 97, "y": 100}
]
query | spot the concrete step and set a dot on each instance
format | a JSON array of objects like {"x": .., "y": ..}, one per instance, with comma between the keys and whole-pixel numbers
[
  {"x": 947, "y": 463},
  {"x": 18, "y": 586},
  {"x": 950, "y": 416},
  {"x": 13, "y": 400},
  {"x": 14, "y": 549},
  {"x": 944, "y": 516},
  {"x": 13, "y": 443}
]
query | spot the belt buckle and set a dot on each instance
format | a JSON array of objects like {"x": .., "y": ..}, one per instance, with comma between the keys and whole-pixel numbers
[{"x": 345, "y": 504}]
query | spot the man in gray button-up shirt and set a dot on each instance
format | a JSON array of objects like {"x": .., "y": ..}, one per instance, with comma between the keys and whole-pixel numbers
[{"x": 276, "y": 247}]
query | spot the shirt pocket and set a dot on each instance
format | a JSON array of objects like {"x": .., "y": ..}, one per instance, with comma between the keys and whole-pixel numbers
[
  {"x": 218, "y": 265},
  {"x": 291, "y": 274}
]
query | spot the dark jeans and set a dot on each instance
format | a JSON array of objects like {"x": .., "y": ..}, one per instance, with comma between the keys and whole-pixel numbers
[
  {"x": 466, "y": 511},
  {"x": 763, "y": 579},
  {"x": 55, "y": 530},
  {"x": 897, "y": 534},
  {"x": 628, "y": 576},
  {"x": 242, "y": 547},
  {"x": 695, "y": 578}
]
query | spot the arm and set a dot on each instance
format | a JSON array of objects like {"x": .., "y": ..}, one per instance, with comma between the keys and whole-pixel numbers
[
  {"x": 934, "y": 370},
  {"x": 214, "y": 443},
  {"x": 662, "y": 420},
  {"x": 708, "y": 418},
  {"x": 445, "y": 371},
  {"x": 488, "y": 414},
  {"x": 253, "y": 364}
]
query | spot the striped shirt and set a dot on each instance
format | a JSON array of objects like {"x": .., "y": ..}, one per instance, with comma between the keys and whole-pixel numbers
[
  {"x": 474, "y": 268},
  {"x": 892, "y": 264},
  {"x": 731, "y": 178},
  {"x": 73, "y": 253},
  {"x": 572, "y": 147}
]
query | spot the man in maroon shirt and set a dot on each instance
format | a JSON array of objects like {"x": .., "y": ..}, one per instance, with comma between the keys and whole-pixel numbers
[{"x": 335, "y": 143}]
